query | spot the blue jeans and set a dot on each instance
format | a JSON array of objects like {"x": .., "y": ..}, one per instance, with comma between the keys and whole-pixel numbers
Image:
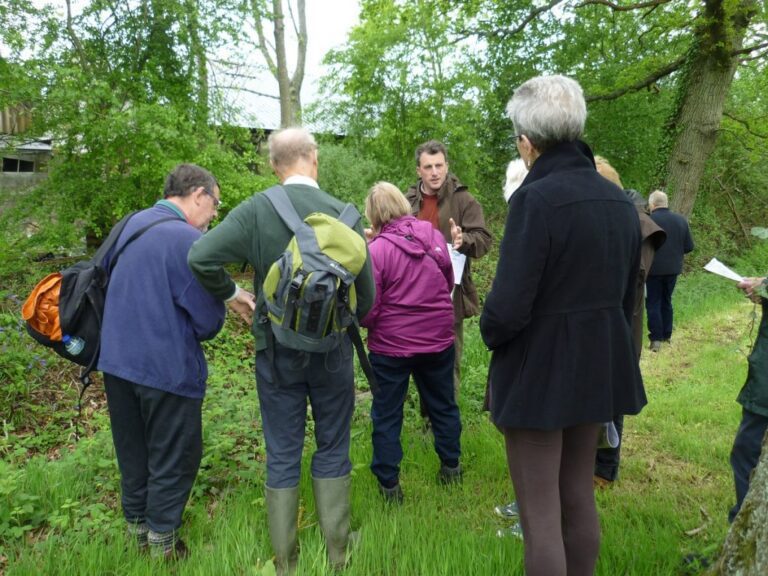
[
  {"x": 327, "y": 381},
  {"x": 433, "y": 374},
  {"x": 746, "y": 454},
  {"x": 658, "y": 305}
]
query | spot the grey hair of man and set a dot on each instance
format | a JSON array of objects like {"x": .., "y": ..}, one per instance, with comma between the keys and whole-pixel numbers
[
  {"x": 431, "y": 147},
  {"x": 516, "y": 173},
  {"x": 548, "y": 110},
  {"x": 288, "y": 146},
  {"x": 186, "y": 179},
  {"x": 658, "y": 199}
]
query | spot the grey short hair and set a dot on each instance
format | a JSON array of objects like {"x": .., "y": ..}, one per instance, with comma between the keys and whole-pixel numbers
[
  {"x": 288, "y": 146},
  {"x": 516, "y": 173},
  {"x": 658, "y": 199},
  {"x": 548, "y": 110}
]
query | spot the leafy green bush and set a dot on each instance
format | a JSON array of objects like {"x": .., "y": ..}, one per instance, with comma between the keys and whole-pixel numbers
[{"x": 346, "y": 173}]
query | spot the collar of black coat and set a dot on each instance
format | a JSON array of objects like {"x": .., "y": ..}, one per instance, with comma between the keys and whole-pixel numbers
[{"x": 561, "y": 157}]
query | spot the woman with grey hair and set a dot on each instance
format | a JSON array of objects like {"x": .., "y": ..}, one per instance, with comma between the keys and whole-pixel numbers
[{"x": 558, "y": 320}]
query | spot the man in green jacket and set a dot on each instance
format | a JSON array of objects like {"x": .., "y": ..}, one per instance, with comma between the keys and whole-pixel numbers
[
  {"x": 254, "y": 233},
  {"x": 441, "y": 199}
]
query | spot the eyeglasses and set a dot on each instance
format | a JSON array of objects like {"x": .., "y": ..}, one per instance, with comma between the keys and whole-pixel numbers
[
  {"x": 216, "y": 201},
  {"x": 518, "y": 137}
]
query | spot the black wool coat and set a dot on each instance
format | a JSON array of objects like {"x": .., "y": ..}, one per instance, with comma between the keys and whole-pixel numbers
[{"x": 558, "y": 316}]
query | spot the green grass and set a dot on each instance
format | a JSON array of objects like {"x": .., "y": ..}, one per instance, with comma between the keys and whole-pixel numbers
[{"x": 59, "y": 512}]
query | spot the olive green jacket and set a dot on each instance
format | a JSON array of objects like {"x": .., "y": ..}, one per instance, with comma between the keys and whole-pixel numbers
[{"x": 254, "y": 233}]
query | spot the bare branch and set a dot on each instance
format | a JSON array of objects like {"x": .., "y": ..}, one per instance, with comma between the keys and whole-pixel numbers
[
  {"x": 746, "y": 125},
  {"x": 749, "y": 49},
  {"x": 301, "y": 59},
  {"x": 263, "y": 45},
  {"x": 617, "y": 8},
  {"x": 243, "y": 89},
  {"x": 498, "y": 33},
  {"x": 293, "y": 18},
  {"x": 75, "y": 40},
  {"x": 640, "y": 84},
  {"x": 758, "y": 56}
]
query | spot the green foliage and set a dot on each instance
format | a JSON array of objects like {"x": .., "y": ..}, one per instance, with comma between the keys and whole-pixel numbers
[
  {"x": 23, "y": 365},
  {"x": 346, "y": 172}
]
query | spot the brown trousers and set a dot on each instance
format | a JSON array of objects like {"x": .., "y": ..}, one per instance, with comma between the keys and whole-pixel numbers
[{"x": 552, "y": 476}]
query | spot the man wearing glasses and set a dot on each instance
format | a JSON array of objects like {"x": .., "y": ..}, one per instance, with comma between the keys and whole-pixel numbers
[{"x": 155, "y": 316}]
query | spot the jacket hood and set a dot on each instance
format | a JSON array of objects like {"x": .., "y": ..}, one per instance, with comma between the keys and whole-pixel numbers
[{"x": 412, "y": 236}]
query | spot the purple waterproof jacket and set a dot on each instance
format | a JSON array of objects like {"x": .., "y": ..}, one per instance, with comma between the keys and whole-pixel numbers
[{"x": 412, "y": 313}]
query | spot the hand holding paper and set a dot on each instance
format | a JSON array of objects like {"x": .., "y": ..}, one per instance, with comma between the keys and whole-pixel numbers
[{"x": 717, "y": 267}]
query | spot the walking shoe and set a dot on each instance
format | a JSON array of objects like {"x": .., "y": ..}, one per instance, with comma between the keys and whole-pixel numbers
[
  {"x": 508, "y": 511},
  {"x": 515, "y": 531},
  {"x": 392, "y": 495},
  {"x": 448, "y": 475},
  {"x": 655, "y": 345}
]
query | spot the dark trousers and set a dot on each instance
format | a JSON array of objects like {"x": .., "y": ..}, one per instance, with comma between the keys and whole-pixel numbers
[
  {"x": 552, "y": 475},
  {"x": 433, "y": 374},
  {"x": 159, "y": 443},
  {"x": 458, "y": 347},
  {"x": 745, "y": 454},
  {"x": 608, "y": 459},
  {"x": 658, "y": 305},
  {"x": 327, "y": 380}
]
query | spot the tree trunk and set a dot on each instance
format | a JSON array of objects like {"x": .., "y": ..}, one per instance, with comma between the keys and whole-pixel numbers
[
  {"x": 289, "y": 86},
  {"x": 704, "y": 88},
  {"x": 745, "y": 552},
  {"x": 198, "y": 62}
]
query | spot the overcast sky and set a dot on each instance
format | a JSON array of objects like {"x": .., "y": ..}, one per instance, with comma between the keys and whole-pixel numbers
[{"x": 328, "y": 22}]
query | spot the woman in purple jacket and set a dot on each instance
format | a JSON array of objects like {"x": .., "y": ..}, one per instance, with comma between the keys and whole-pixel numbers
[{"x": 410, "y": 332}]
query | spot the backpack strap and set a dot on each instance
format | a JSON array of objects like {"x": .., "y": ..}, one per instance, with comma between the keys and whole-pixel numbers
[
  {"x": 350, "y": 216},
  {"x": 114, "y": 236},
  {"x": 135, "y": 236},
  {"x": 278, "y": 197},
  {"x": 354, "y": 335}
]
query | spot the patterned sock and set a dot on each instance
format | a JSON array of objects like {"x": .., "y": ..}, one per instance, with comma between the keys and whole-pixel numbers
[
  {"x": 161, "y": 543},
  {"x": 139, "y": 530}
]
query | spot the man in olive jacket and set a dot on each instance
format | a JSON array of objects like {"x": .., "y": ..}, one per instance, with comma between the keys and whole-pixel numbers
[
  {"x": 254, "y": 233},
  {"x": 440, "y": 198}
]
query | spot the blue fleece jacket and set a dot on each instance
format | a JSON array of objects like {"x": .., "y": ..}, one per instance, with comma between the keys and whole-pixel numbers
[{"x": 156, "y": 314}]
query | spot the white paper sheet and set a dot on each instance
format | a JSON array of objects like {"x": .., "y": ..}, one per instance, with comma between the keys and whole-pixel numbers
[
  {"x": 717, "y": 267},
  {"x": 458, "y": 260}
]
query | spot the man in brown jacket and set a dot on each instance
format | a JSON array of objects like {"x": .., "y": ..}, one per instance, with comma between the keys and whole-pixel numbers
[{"x": 440, "y": 198}]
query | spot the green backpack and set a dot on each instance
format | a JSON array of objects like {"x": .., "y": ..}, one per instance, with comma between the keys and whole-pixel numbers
[{"x": 309, "y": 291}]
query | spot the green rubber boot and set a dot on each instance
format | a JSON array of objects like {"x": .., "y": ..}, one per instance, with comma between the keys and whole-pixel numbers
[
  {"x": 332, "y": 502},
  {"x": 282, "y": 516}
]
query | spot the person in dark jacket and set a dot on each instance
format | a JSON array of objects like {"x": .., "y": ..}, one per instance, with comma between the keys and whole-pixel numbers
[
  {"x": 754, "y": 401},
  {"x": 155, "y": 316},
  {"x": 667, "y": 266},
  {"x": 410, "y": 332},
  {"x": 608, "y": 459},
  {"x": 441, "y": 199},
  {"x": 558, "y": 321}
]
